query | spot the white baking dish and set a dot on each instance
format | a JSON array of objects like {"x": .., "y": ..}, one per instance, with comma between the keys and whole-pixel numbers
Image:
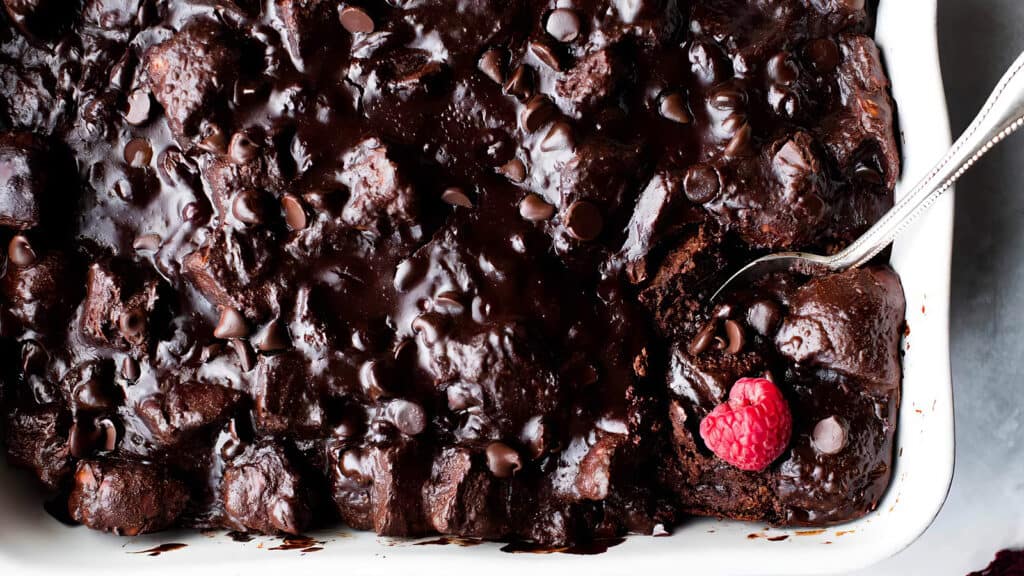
[{"x": 32, "y": 542}]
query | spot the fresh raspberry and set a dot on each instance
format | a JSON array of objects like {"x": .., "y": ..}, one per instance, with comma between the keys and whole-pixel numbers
[{"x": 752, "y": 429}]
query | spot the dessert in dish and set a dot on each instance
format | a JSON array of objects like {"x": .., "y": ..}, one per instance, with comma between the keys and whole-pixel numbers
[{"x": 429, "y": 266}]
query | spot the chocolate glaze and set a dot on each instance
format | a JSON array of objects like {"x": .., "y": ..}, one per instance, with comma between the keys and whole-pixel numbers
[{"x": 427, "y": 266}]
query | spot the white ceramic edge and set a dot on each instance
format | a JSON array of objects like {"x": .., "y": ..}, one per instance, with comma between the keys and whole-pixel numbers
[
  {"x": 925, "y": 90},
  {"x": 30, "y": 542}
]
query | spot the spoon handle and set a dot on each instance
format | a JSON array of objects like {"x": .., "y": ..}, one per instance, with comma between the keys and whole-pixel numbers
[{"x": 1001, "y": 116}]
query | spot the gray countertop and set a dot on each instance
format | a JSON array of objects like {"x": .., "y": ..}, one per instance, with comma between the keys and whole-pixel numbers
[{"x": 985, "y": 511}]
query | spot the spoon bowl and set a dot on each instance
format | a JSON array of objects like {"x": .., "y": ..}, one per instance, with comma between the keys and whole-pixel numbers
[{"x": 802, "y": 262}]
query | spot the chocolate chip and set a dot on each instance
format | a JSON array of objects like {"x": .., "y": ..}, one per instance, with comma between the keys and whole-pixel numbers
[
  {"x": 211, "y": 351},
  {"x": 147, "y": 243},
  {"x": 701, "y": 183},
  {"x": 449, "y": 302},
  {"x": 234, "y": 444},
  {"x": 868, "y": 174},
  {"x": 107, "y": 434},
  {"x": 520, "y": 84},
  {"x": 350, "y": 465},
  {"x": 420, "y": 74},
  {"x": 214, "y": 140},
  {"x": 563, "y": 25},
  {"x": 139, "y": 106},
  {"x": 294, "y": 212},
  {"x": 371, "y": 378},
  {"x": 130, "y": 369},
  {"x": 33, "y": 358},
  {"x": 245, "y": 354},
  {"x": 481, "y": 309},
  {"x": 138, "y": 153},
  {"x": 537, "y": 112},
  {"x": 672, "y": 106},
  {"x": 726, "y": 98},
  {"x": 533, "y": 208},
  {"x": 356, "y": 20},
  {"x": 783, "y": 101},
  {"x": 559, "y": 137},
  {"x": 430, "y": 326},
  {"x": 82, "y": 439},
  {"x": 123, "y": 189},
  {"x": 242, "y": 149},
  {"x": 782, "y": 70},
  {"x": 764, "y": 316},
  {"x": 456, "y": 197},
  {"x": 20, "y": 252},
  {"x": 503, "y": 460},
  {"x": 492, "y": 64},
  {"x": 132, "y": 323},
  {"x": 547, "y": 55},
  {"x": 514, "y": 170},
  {"x": 822, "y": 54},
  {"x": 244, "y": 89},
  {"x": 829, "y": 436},
  {"x": 702, "y": 340},
  {"x": 95, "y": 392},
  {"x": 273, "y": 337},
  {"x": 174, "y": 166},
  {"x": 734, "y": 332},
  {"x": 740, "y": 144},
  {"x": 193, "y": 212},
  {"x": 249, "y": 207},
  {"x": 232, "y": 324},
  {"x": 407, "y": 417},
  {"x": 583, "y": 220}
]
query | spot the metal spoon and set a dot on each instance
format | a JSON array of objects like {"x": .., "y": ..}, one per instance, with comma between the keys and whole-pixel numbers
[{"x": 1001, "y": 116}]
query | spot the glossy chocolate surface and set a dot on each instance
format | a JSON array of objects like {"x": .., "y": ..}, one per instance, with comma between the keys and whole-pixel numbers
[{"x": 438, "y": 266}]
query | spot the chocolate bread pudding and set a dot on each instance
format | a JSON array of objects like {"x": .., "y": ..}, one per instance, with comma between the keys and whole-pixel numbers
[{"x": 444, "y": 266}]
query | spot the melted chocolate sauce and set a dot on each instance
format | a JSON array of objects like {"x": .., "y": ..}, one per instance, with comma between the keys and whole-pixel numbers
[{"x": 158, "y": 550}]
